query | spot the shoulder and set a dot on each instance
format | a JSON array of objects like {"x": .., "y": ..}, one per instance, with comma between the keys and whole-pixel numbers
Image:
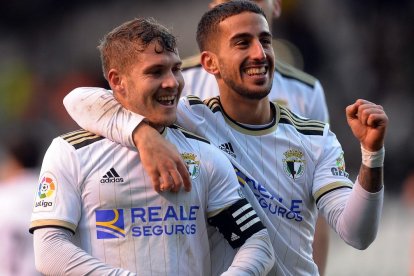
[
  {"x": 187, "y": 134},
  {"x": 80, "y": 138},
  {"x": 289, "y": 72},
  {"x": 302, "y": 125},
  {"x": 194, "y": 102},
  {"x": 191, "y": 62}
]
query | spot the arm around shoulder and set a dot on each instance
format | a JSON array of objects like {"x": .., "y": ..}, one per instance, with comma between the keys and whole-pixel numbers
[{"x": 96, "y": 110}]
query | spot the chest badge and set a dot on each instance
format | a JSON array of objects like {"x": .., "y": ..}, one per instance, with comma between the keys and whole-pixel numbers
[
  {"x": 193, "y": 164},
  {"x": 294, "y": 163}
]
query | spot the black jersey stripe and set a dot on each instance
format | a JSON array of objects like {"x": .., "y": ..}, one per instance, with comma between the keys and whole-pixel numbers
[
  {"x": 302, "y": 125},
  {"x": 86, "y": 141},
  {"x": 81, "y": 138},
  {"x": 189, "y": 134},
  {"x": 299, "y": 120},
  {"x": 193, "y": 100}
]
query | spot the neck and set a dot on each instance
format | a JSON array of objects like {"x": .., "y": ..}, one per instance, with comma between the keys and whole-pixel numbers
[{"x": 246, "y": 111}]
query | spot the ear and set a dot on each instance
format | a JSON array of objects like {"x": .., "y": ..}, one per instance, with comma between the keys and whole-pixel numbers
[
  {"x": 277, "y": 8},
  {"x": 116, "y": 82},
  {"x": 209, "y": 62}
]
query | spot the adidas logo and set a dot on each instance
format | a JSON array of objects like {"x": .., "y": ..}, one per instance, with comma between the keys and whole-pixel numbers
[
  {"x": 228, "y": 148},
  {"x": 234, "y": 237},
  {"x": 111, "y": 177}
]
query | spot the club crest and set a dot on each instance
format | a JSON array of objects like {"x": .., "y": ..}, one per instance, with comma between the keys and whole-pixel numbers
[
  {"x": 193, "y": 164},
  {"x": 294, "y": 163}
]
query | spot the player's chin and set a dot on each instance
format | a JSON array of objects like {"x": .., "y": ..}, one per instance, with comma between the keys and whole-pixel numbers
[{"x": 168, "y": 120}]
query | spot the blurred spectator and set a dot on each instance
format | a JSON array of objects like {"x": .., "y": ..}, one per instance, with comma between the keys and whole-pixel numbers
[{"x": 18, "y": 179}]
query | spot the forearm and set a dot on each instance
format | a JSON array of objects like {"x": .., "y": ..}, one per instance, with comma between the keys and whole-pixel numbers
[
  {"x": 354, "y": 215},
  {"x": 259, "y": 246},
  {"x": 56, "y": 255},
  {"x": 97, "y": 110}
]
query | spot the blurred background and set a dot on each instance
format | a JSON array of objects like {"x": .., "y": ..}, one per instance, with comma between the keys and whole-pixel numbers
[{"x": 357, "y": 49}]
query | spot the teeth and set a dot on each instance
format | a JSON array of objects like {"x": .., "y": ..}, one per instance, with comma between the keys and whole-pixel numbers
[
  {"x": 166, "y": 98},
  {"x": 256, "y": 71}
]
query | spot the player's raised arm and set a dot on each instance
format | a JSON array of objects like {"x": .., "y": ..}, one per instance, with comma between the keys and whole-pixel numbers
[
  {"x": 96, "y": 110},
  {"x": 355, "y": 214},
  {"x": 368, "y": 123}
]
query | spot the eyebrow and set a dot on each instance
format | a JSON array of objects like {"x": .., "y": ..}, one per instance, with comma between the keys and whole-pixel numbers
[
  {"x": 161, "y": 66},
  {"x": 248, "y": 35}
]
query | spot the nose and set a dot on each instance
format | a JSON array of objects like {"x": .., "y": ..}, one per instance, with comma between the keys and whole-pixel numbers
[
  {"x": 170, "y": 81},
  {"x": 257, "y": 51}
]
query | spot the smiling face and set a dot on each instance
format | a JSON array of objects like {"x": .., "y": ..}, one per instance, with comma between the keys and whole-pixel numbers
[
  {"x": 244, "y": 56},
  {"x": 151, "y": 86}
]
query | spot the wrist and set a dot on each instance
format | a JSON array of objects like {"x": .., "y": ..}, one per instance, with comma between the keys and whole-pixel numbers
[
  {"x": 373, "y": 159},
  {"x": 139, "y": 131}
]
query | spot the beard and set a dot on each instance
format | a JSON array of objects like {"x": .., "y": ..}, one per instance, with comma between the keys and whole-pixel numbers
[{"x": 248, "y": 93}]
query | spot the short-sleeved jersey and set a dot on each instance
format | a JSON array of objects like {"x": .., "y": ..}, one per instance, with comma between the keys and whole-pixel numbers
[
  {"x": 285, "y": 168},
  {"x": 98, "y": 189},
  {"x": 298, "y": 91}
]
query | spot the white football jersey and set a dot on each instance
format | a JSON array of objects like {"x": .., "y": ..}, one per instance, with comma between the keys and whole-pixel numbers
[
  {"x": 98, "y": 189},
  {"x": 298, "y": 91},
  {"x": 285, "y": 169}
]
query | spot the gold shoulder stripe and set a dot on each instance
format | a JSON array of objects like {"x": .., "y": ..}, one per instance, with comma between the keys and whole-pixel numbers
[
  {"x": 73, "y": 133},
  {"x": 191, "y": 62},
  {"x": 304, "y": 126},
  {"x": 81, "y": 138},
  {"x": 329, "y": 188},
  {"x": 288, "y": 71},
  {"x": 213, "y": 103},
  {"x": 51, "y": 222},
  {"x": 189, "y": 134}
]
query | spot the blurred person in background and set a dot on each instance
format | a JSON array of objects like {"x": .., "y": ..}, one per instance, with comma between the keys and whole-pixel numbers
[
  {"x": 18, "y": 175},
  {"x": 293, "y": 88},
  {"x": 244, "y": 116}
]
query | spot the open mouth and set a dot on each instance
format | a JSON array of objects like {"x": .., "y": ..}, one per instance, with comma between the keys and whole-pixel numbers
[
  {"x": 256, "y": 71},
  {"x": 166, "y": 100}
]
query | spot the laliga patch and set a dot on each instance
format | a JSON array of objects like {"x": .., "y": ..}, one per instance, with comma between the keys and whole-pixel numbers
[
  {"x": 193, "y": 164},
  {"x": 46, "y": 193},
  {"x": 339, "y": 169},
  {"x": 294, "y": 163}
]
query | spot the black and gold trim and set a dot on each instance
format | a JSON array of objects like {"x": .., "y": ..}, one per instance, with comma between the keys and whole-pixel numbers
[
  {"x": 304, "y": 126},
  {"x": 329, "y": 188},
  {"x": 189, "y": 134},
  {"x": 81, "y": 138},
  {"x": 193, "y": 100},
  {"x": 215, "y": 106},
  {"x": 42, "y": 223}
]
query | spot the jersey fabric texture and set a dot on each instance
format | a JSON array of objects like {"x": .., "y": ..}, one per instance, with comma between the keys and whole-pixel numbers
[
  {"x": 298, "y": 91},
  {"x": 285, "y": 168},
  {"x": 98, "y": 189}
]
